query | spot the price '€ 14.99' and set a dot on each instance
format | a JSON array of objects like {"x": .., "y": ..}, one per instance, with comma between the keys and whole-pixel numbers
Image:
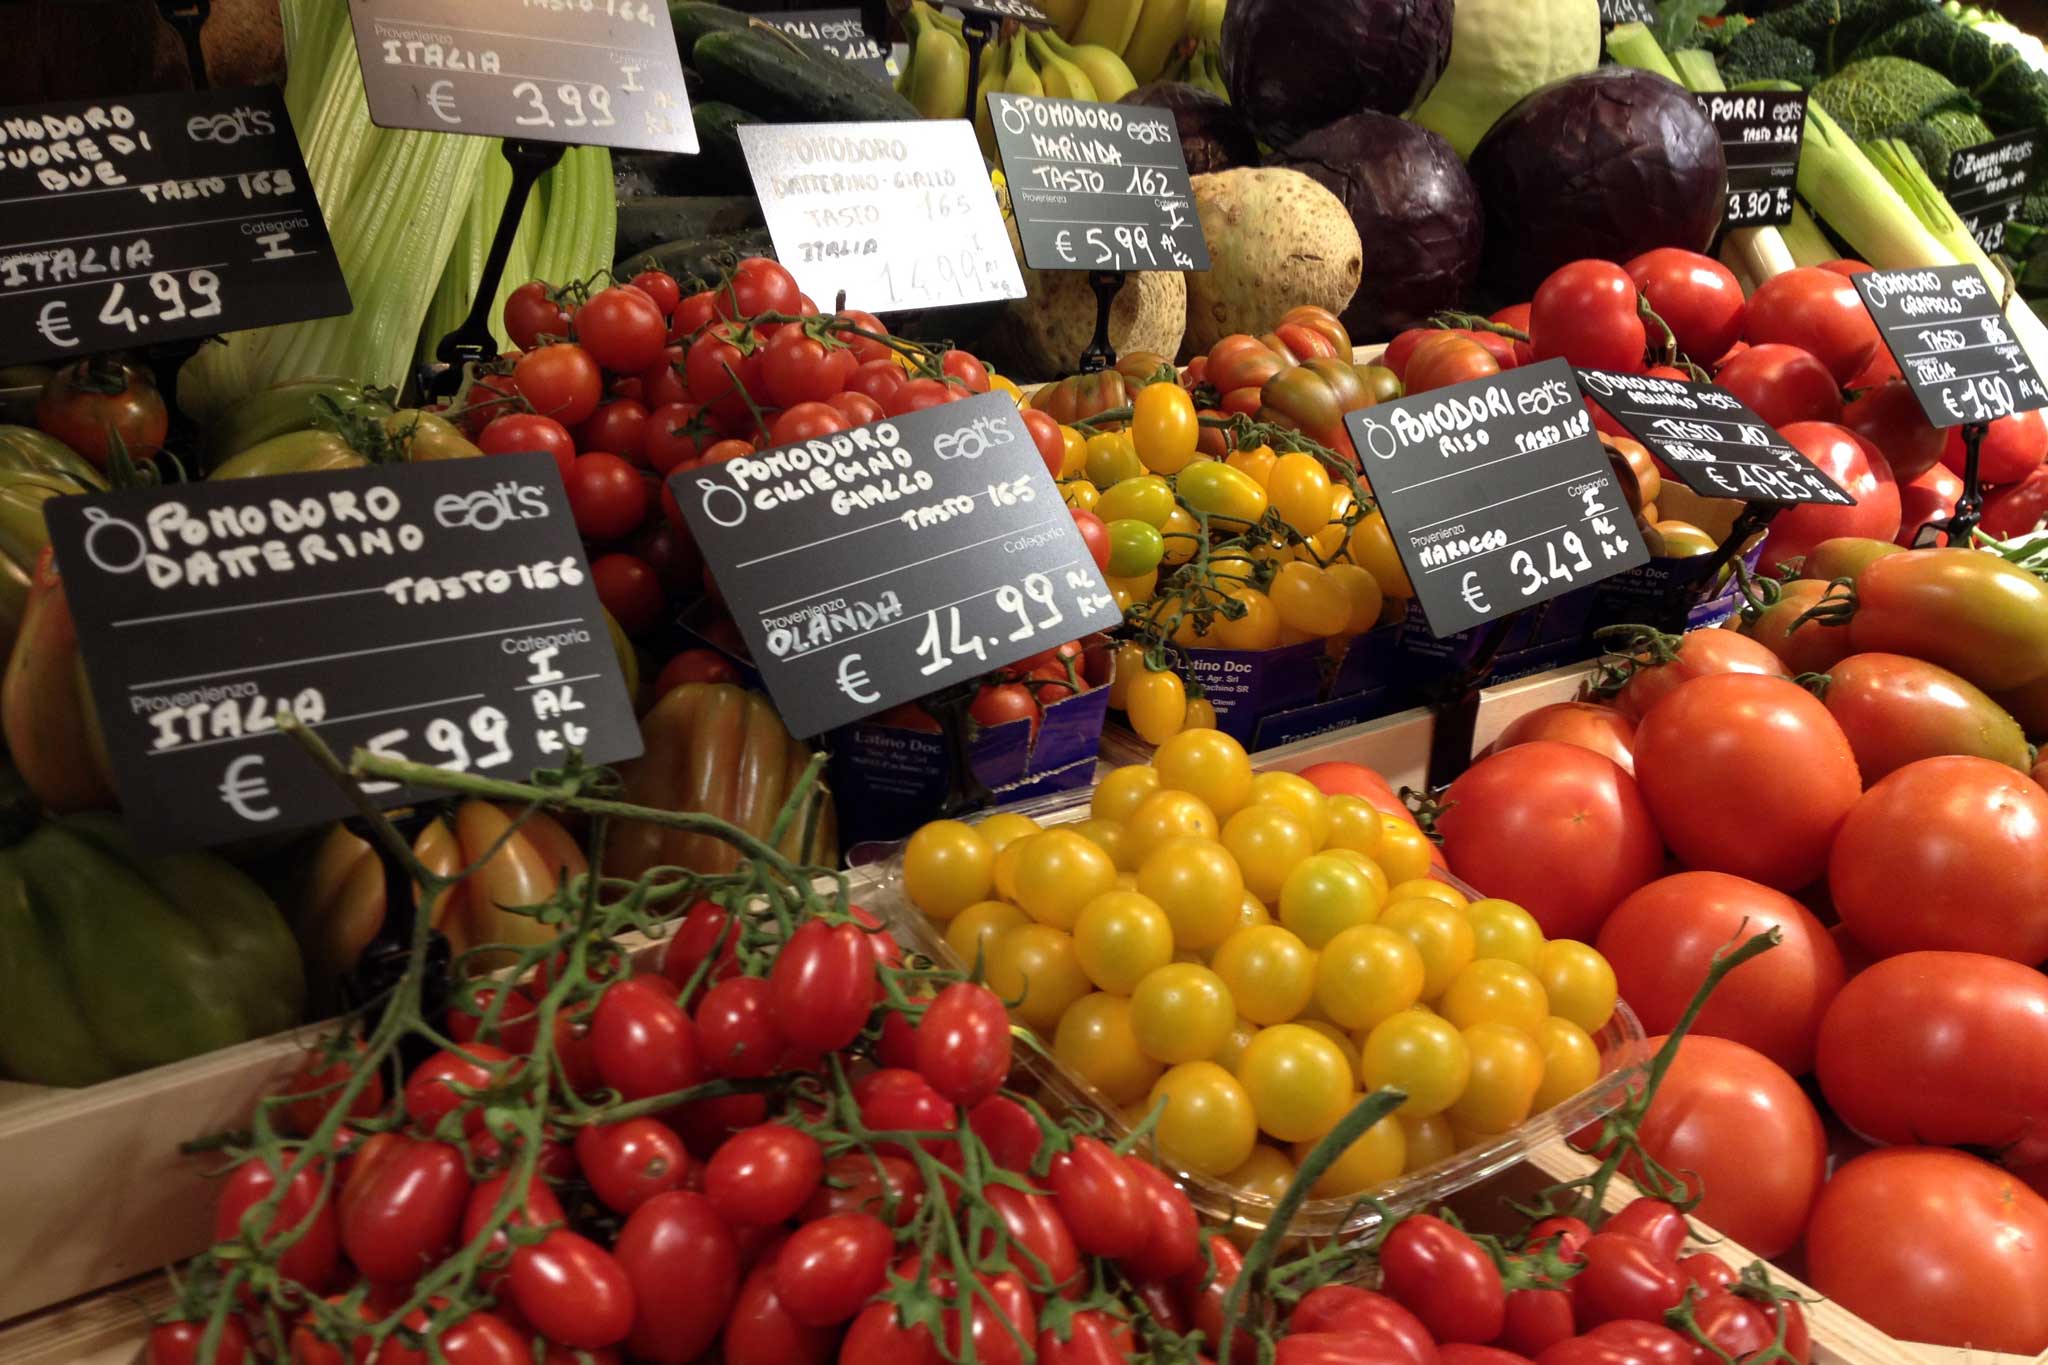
[{"x": 1035, "y": 605}]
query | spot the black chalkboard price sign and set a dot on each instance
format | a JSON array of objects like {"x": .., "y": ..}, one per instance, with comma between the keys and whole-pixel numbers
[
  {"x": 1714, "y": 444},
  {"x": 154, "y": 217},
  {"x": 1497, "y": 494},
  {"x": 1944, "y": 327},
  {"x": 1614, "y": 12},
  {"x": 1761, "y": 133},
  {"x": 1097, "y": 186},
  {"x": 441, "y": 612},
  {"x": 1024, "y": 12},
  {"x": 600, "y": 73},
  {"x": 881, "y": 564},
  {"x": 840, "y": 32},
  {"x": 1987, "y": 182}
]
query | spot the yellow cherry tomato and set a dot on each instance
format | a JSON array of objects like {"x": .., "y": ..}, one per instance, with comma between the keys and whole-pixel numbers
[
  {"x": 1242, "y": 1031},
  {"x": 1325, "y": 895},
  {"x": 1004, "y": 828},
  {"x": 1080, "y": 494},
  {"x": 1147, "y": 498},
  {"x": 1439, "y": 932},
  {"x": 1122, "y": 937},
  {"x": 1354, "y": 824},
  {"x": 1157, "y": 706},
  {"x": 1404, "y": 850},
  {"x": 1507, "y": 1070},
  {"x": 1571, "y": 1062},
  {"x": 1374, "y": 1159},
  {"x": 1366, "y": 865},
  {"x": 1095, "y": 1038},
  {"x": 1207, "y": 1124},
  {"x": 1210, "y": 764},
  {"x": 1109, "y": 836},
  {"x": 1076, "y": 461},
  {"x": 1111, "y": 459},
  {"x": 1309, "y": 600},
  {"x": 1490, "y": 991},
  {"x": 1505, "y": 930},
  {"x": 1229, "y": 496},
  {"x": 1429, "y": 888},
  {"x": 1257, "y": 628},
  {"x": 1372, "y": 549},
  {"x": 1119, "y": 793},
  {"x": 1270, "y": 972},
  {"x": 1201, "y": 714},
  {"x": 947, "y": 867},
  {"x": 1299, "y": 797},
  {"x": 1126, "y": 663},
  {"x": 1298, "y": 1082},
  {"x": 1366, "y": 975},
  {"x": 1130, "y": 592},
  {"x": 1579, "y": 982},
  {"x": 1419, "y": 1054},
  {"x": 1182, "y": 1013},
  {"x": 1058, "y": 872},
  {"x": 1299, "y": 489},
  {"x": 1164, "y": 427},
  {"x": 1198, "y": 886},
  {"x": 971, "y": 932},
  {"x": 1036, "y": 965},
  {"x": 1429, "y": 1141},
  {"x": 1265, "y": 1174},
  {"x": 1162, "y": 815},
  {"x": 1257, "y": 462},
  {"x": 1330, "y": 539},
  {"x": 1268, "y": 842},
  {"x": 1183, "y": 536},
  {"x": 1344, "y": 1041},
  {"x": 1364, "y": 593},
  {"x": 1008, "y": 388}
]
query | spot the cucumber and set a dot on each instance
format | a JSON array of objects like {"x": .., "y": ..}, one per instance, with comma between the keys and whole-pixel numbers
[
  {"x": 718, "y": 138},
  {"x": 785, "y": 80},
  {"x": 693, "y": 19},
  {"x": 646, "y": 223},
  {"x": 699, "y": 258}
]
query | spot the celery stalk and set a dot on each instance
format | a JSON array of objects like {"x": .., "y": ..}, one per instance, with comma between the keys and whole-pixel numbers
[
  {"x": 1634, "y": 45},
  {"x": 1853, "y": 197},
  {"x": 1697, "y": 70},
  {"x": 1803, "y": 237}
]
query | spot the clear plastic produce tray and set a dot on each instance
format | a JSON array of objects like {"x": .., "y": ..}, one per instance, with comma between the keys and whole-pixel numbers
[{"x": 1622, "y": 1055}]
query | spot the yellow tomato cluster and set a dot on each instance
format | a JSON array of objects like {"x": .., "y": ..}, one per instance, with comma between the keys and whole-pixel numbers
[{"x": 1256, "y": 955}]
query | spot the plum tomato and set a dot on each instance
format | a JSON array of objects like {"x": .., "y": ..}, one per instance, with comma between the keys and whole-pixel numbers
[
  {"x": 1818, "y": 311},
  {"x": 1586, "y": 312},
  {"x": 1782, "y": 384}
]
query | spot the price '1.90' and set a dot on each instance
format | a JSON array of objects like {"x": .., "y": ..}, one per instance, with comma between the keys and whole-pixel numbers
[
  {"x": 943, "y": 648},
  {"x": 204, "y": 284}
]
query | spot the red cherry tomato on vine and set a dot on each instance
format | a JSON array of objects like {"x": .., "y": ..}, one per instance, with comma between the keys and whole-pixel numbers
[
  {"x": 1045, "y": 435},
  {"x": 758, "y": 285},
  {"x": 560, "y": 381},
  {"x": 722, "y": 368},
  {"x": 531, "y": 312},
  {"x": 607, "y": 497},
  {"x": 763, "y": 1175},
  {"x": 963, "y": 1043},
  {"x": 1622, "y": 1277},
  {"x": 623, "y": 328},
  {"x": 915, "y": 395},
  {"x": 887, "y": 1186},
  {"x": 671, "y": 1241},
  {"x": 305, "y": 1214},
  {"x": 1008, "y": 1130},
  {"x": 877, "y": 380},
  {"x": 858, "y": 409},
  {"x": 642, "y": 1042},
  {"x": 401, "y": 1205},
  {"x": 1041, "y": 1248},
  {"x": 1100, "y": 1198},
  {"x": 619, "y": 426},
  {"x": 965, "y": 371},
  {"x": 572, "y": 1290},
  {"x": 1346, "y": 1308},
  {"x": 823, "y": 982},
  {"x": 692, "y": 315},
  {"x": 1172, "y": 1236},
  {"x": 1094, "y": 534},
  {"x": 804, "y": 422},
  {"x": 762, "y": 1331},
  {"x": 1445, "y": 1278},
  {"x": 630, "y": 590},
  {"x": 519, "y": 431},
  {"x": 829, "y": 1269},
  {"x": 1586, "y": 312},
  {"x": 538, "y": 1209},
  {"x": 629, "y": 1162},
  {"x": 798, "y": 368},
  {"x": 320, "y": 1081},
  {"x": 429, "y": 1095},
  {"x": 660, "y": 286},
  {"x": 182, "y": 1343},
  {"x": 1536, "y": 1320},
  {"x": 1093, "y": 1338}
]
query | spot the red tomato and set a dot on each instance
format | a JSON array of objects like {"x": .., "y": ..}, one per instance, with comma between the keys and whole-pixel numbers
[
  {"x": 1708, "y": 1271},
  {"x": 736, "y": 1028},
  {"x": 519, "y": 431},
  {"x": 823, "y": 982},
  {"x": 684, "y": 1268},
  {"x": 1661, "y": 940},
  {"x": 1008, "y": 1130},
  {"x": 429, "y": 1092},
  {"x": 1041, "y": 1248},
  {"x": 1516, "y": 315},
  {"x": 915, "y": 395},
  {"x": 722, "y": 367},
  {"x": 315, "y": 1088},
  {"x": 619, "y": 426},
  {"x": 1586, "y": 312},
  {"x": 1941, "y": 1048},
  {"x": 1745, "y": 1328},
  {"x": 1621, "y": 1278},
  {"x": 630, "y": 590},
  {"x": 1782, "y": 385},
  {"x": 1818, "y": 311},
  {"x": 692, "y": 315},
  {"x": 858, "y": 409},
  {"x": 875, "y": 1338},
  {"x": 762, "y": 1332},
  {"x": 1889, "y": 417},
  {"x": 1536, "y": 1320},
  {"x": 674, "y": 436},
  {"x": 629, "y": 1162},
  {"x": 1946, "y": 853},
  {"x": 305, "y": 1215},
  {"x": 1444, "y": 1278},
  {"x": 999, "y": 1335},
  {"x": 1093, "y": 1338},
  {"x": 401, "y": 1205},
  {"x": 1395, "y": 357},
  {"x": 1335, "y": 1348},
  {"x": 1931, "y": 497},
  {"x": 1172, "y": 1237},
  {"x": 643, "y": 1043},
  {"x": 798, "y": 368},
  {"x": 763, "y": 1175},
  {"x": 1654, "y": 1222},
  {"x": 183, "y": 1343},
  {"x": 1463, "y": 1353},
  {"x": 1934, "y": 1246},
  {"x": 889, "y": 1187},
  {"x": 1697, "y": 654},
  {"x": 1347, "y": 1308},
  {"x": 963, "y": 370},
  {"x": 806, "y": 422},
  {"x": 623, "y": 328},
  {"x": 1748, "y": 774},
  {"x": 1862, "y": 472},
  {"x": 2017, "y": 510},
  {"x": 532, "y": 312},
  {"x": 963, "y": 1043},
  {"x": 1735, "y": 1120},
  {"x": 758, "y": 285},
  {"x": 860, "y": 331},
  {"x": 1445, "y": 359},
  {"x": 896, "y": 1101},
  {"x": 1698, "y": 298},
  {"x": 1557, "y": 829},
  {"x": 2013, "y": 448},
  {"x": 561, "y": 381},
  {"x": 877, "y": 380},
  {"x": 1200, "y": 1292},
  {"x": 1603, "y": 729},
  {"x": 538, "y": 1209},
  {"x": 572, "y": 1290},
  {"x": 1100, "y": 1199},
  {"x": 1567, "y": 1232},
  {"x": 1045, "y": 435},
  {"x": 1094, "y": 535},
  {"x": 828, "y": 1269},
  {"x": 660, "y": 286},
  {"x": 607, "y": 496}
]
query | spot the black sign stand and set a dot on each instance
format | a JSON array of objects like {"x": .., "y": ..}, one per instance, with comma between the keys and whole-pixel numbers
[
  {"x": 472, "y": 341},
  {"x": 189, "y": 17},
  {"x": 1100, "y": 355},
  {"x": 1960, "y": 526},
  {"x": 977, "y": 29},
  {"x": 1455, "y": 708}
]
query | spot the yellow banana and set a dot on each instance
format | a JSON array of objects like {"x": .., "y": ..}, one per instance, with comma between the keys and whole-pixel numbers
[
  {"x": 1063, "y": 79},
  {"x": 938, "y": 72},
  {"x": 1022, "y": 77},
  {"x": 1206, "y": 70},
  {"x": 1161, "y": 24},
  {"x": 1109, "y": 23},
  {"x": 1066, "y": 15},
  {"x": 993, "y": 60},
  {"x": 1205, "y": 21},
  {"x": 1105, "y": 70}
]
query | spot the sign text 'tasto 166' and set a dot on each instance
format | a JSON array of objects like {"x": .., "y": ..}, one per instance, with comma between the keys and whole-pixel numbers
[
  {"x": 598, "y": 73},
  {"x": 1497, "y": 493},
  {"x": 1944, "y": 327},
  {"x": 149, "y": 218},
  {"x": 878, "y": 565},
  {"x": 438, "y": 612}
]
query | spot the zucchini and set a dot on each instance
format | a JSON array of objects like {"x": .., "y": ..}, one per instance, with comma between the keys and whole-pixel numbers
[
  {"x": 718, "y": 139},
  {"x": 785, "y": 80},
  {"x": 704, "y": 259},
  {"x": 693, "y": 19}
]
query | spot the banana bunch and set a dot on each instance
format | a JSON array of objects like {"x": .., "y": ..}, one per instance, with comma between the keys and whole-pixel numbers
[
  {"x": 1145, "y": 36},
  {"x": 935, "y": 76}
]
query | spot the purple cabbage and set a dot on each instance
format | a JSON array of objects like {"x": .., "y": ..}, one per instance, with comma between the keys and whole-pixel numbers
[{"x": 1294, "y": 65}]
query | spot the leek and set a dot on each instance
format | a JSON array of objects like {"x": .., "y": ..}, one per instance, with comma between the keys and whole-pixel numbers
[
  {"x": 1804, "y": 239},
  {"x": 1634, "y": 45}
]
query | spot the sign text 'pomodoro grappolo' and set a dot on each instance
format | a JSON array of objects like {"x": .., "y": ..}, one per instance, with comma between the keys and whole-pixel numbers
[{"x": 878, "y": 565}]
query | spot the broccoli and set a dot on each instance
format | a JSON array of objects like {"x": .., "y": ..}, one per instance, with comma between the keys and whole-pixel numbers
[
  {"x": 2012, "y": 94},
  {"x": 1758, "y": 53},
  {"x": 1833, "y": 31}
]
